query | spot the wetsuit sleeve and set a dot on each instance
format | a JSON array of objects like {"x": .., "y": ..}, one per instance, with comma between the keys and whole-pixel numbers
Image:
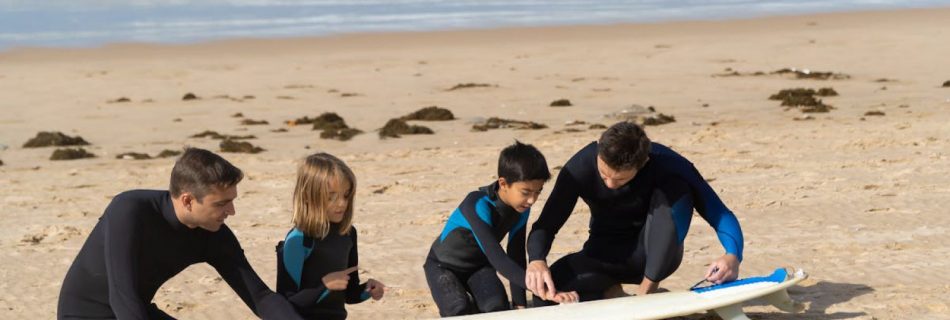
[
  {"x": 227, "y": 257},
  {"x": 308, "y": 297},
  {"x": 122, "y": 243},
  {"x": 516, "y": 252},
  {"x": 555, "y": 213},
  {"x": 492, "y": 249},
  {"x": 355, "y": 292},
  {"x": 715, "y": 212}
]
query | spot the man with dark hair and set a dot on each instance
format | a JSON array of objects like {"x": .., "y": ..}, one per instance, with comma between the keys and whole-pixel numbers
[
  {"x": 641, "y": 197},
  {"x": 146, "y": 237},
  {"x": 463, "y": 261}
]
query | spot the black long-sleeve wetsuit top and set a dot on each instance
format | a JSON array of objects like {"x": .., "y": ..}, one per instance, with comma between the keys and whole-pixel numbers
[
  {"x": 617, "y": 215},
  {"x": 137, "y": 245},
  {"x": 472, "y": 235},
  {"x": 303, "y": 261}
]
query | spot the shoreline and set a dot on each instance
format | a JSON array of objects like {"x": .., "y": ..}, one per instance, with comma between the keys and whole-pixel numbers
[
  {"x": 835, "y": 193},
  {"x": 505, "y": 33}
]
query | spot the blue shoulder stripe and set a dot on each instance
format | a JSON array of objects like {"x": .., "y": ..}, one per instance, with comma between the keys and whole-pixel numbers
[{"x": 295, "y": 253}]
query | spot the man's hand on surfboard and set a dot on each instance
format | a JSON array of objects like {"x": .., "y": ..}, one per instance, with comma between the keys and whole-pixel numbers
[
  {"x": 566, "y": 297},
  {"x": 724, "y": 269},
  {"x": 538, "y": 280},
  {"x": 375, "y": 288}
]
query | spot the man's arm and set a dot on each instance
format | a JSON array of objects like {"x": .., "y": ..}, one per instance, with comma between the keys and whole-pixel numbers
[
  {"x": 227, "y": 257},
  {"x": 122, "y": 244},
  {"x": 555, "y": 213},
  {"x": 470, "y": 209},
  {"x": 720, "y": 218}
]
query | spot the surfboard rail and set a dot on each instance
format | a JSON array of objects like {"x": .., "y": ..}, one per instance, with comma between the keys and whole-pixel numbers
[{"x": 725, "y": 300}]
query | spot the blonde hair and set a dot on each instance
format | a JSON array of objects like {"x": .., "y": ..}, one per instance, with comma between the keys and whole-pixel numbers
[{"x": 312, "y": 194}]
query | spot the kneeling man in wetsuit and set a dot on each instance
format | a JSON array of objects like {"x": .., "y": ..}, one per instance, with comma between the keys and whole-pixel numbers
[
  {"x": 641, "y": 197},
  {"x": 146, "y": 237}
]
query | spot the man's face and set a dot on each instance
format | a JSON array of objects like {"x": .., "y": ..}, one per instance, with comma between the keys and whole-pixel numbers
[
  {"x": 520, "y": 195},
  {"x": 214, "y": 208},
  {"x": 614, "y": 179}
]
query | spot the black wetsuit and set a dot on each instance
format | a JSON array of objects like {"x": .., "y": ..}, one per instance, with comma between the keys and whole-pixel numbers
[
  {"x": 636, "y": 230},
  {"x": 465, "y": 257},
  {"x": 137, "y": 245},
  {"x": 303, "y": 261}
]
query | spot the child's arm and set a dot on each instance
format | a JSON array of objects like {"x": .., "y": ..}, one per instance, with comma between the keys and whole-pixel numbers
[
  {"x": 355, "y": 292},
  {"x": 517, "y": 253},
  {"x": 471, "y": 207}
]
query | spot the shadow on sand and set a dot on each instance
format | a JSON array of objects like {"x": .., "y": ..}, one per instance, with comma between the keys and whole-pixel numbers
[{"x": 818, "y": 298}]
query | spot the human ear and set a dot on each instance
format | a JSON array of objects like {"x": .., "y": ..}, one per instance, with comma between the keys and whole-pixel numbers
[{"x": 503, "y": 183}]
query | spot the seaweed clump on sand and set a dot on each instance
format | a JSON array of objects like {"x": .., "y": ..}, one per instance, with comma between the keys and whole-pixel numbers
[
  {"x": 432, "y": 113},
  {"x": 71, "y": 154},
  {"x": 644, "y": 116},
  {"x": 144, "y": 156},
  {"x": 120, "y": 100},
  {"x": 133, "y": 156},
  {"x": 229, "y": 145},
  {"x": 470, "y": 85},
  {"x": 333, "y": 126},
  {"x": 946, "y": 84},
  {"x": 561, "y": 103},
  {"x": 395, "y": 127},
  {"x": 342, "y": 134},
  {"x": 804, "y": 99},
  {"x": 499, "y": 123},
  {"x": 252, "y": 122},
  {"x": 189, "y": 96},
  {"x": 808, "y": 74},
  {"x": 58, "y": 139},
  {"x": 217, "y": 136}
]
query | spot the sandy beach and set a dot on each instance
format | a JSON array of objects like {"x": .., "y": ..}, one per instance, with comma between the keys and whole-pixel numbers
[{"x": 857, "y": 196}]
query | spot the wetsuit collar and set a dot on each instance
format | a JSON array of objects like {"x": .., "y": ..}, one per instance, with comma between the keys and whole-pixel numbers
[
  {"x": 503, "y": 209},
  {"x": 168, "y": 212}
]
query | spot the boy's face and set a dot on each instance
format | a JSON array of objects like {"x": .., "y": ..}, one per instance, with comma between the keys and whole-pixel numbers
[{"x": 520, "y": 195}]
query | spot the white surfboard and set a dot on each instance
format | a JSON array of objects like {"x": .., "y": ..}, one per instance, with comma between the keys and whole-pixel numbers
[{"x": 725, "y": 300}]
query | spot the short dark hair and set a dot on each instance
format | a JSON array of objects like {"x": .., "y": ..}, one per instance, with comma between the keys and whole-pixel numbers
[
  {"x": 197, "y": 170},
  {"x": 624, "y": 146},
  {"x": 522, "y": 162}
]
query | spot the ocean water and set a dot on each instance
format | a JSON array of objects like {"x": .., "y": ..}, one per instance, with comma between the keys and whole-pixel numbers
[{"x": 89, "y": 23}]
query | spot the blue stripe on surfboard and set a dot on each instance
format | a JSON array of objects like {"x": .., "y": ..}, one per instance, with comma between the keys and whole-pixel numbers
[{"x": 778, "y": 276}]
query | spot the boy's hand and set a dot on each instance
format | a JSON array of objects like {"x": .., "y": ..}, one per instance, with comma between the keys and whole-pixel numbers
[
  {"x": 724, "y": 269},
  {"x": 538, "y": 280},
  {"x": 337, "y": 281},
  {"x": 375, "y": 288},
  {"x": 567, "y": 297}
]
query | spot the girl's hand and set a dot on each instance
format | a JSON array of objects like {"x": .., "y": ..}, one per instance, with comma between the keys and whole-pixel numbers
[
  {"x": 375, "y": 288},
  {"x": 337, "y": 281}
]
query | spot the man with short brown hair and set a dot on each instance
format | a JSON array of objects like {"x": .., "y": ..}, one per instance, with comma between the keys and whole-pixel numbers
[{"x": 146, "y": 237}]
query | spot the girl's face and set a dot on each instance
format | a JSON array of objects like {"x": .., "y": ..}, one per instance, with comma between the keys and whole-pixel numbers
[{"x": 338, "y": 201}]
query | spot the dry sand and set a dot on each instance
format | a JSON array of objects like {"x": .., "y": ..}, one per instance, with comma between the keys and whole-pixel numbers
[{"x": 859, "y": 202}]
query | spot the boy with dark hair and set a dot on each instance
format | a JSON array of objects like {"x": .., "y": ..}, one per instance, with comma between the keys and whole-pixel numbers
[
  {"x": 146, "y": 237},
  {"x": 463, "y": 261},
  {"x": 641, "y": 197}
]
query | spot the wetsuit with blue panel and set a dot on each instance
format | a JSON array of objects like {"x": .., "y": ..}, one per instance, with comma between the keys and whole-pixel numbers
[
  {"x": 462, "y": 263},
  {"x": 303, "y": 261},
  {"x": 636, "y": 230}
]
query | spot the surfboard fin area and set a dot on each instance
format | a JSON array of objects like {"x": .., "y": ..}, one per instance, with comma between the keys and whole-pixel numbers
[{"x": 725, "y": 300}]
